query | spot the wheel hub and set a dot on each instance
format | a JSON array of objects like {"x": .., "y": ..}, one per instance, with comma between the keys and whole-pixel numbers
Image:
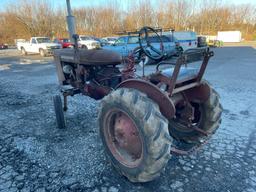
[
  {"x": 123, "y": 138},
  {"x": 188, "y": 115},
  {"x": 127, "y": 136}
]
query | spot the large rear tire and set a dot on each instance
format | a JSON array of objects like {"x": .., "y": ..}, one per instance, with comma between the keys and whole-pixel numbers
[
  {"x": 143, "y": 149},
  {"x": 209, "y": 120}
]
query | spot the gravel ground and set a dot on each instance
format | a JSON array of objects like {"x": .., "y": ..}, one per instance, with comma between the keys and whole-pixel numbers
[{"x": 35, "y": 156}]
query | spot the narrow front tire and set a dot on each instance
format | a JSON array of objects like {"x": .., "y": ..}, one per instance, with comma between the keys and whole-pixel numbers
[{"x": 59, "y": 113}]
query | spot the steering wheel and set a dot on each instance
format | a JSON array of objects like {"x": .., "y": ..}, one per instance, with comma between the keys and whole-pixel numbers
[{"x": 148, "y": 49}]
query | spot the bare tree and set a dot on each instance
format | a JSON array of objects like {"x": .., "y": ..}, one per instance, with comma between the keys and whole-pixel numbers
[{"x": 42, "y": 17}]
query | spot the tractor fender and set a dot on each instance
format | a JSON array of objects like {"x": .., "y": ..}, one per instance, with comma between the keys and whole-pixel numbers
[
  {"x": 200, "y": 93},
  {"x": 165, "y": 104}
]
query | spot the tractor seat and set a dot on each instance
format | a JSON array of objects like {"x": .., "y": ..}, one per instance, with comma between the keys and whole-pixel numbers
[
  {"x": 90, "y": 57},
  {"x": 185, "y": 72}
]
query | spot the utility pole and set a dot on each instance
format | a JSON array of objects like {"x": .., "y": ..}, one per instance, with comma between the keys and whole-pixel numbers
[{"x": 70, "y": 21}]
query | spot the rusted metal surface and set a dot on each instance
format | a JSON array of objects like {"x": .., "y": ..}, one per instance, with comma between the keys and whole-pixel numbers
[
  {"x": 158, "y": 77},
  {"x": 149, "y": 85},
  {"x": 207, "y": 56},
  {"x": 200, "y": 93},
  {"x": 96, "y": 91},
  {"x": 166, "y": 105},
  {"x": 175, "y": 85},
  {"x": 59, "y": 69},
  {"x": 177, "y": 98},
  {"x": 205, "y": 133},
  {"x": 68, "y": 92},
  {"x": 175, "y": 74},
  {"x": 127, "y": 133},
  {"x": 129, "y": 70},
  {"x": 179, "y": 151},
  {"x": 189, "y": 110},
  {"x": 123, "y": 138},
  {"x": 94, "y": 70},
  {"x": 185, "y": 87},
  {"x": 89, "y": 57}
]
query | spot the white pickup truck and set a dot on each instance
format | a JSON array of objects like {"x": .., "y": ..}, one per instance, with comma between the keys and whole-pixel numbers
[
  {"x": 88, "y": 42},
  {"x": 41, "y": 45}
]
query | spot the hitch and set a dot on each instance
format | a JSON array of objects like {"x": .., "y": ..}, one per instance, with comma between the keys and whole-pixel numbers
[{"x": 179, "y": 151}]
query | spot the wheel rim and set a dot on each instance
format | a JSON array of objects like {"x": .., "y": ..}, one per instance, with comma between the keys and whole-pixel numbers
[
  {"x": 123, "y": 138},
  {"x": 182, "y": 125}
]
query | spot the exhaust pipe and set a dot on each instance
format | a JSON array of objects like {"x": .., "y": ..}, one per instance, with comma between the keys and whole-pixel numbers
[{"x": 70, "y": 22}]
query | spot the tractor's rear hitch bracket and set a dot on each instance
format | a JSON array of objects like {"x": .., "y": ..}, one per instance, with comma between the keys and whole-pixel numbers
[
  {"x": 201, "y": 131},
  {"x": 196, "y": 147}
]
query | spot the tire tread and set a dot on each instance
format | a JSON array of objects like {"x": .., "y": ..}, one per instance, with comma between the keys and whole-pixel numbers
[{"x": 155, "y": 130}]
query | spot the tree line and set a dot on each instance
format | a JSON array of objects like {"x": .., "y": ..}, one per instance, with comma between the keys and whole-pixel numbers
[{"x": 42, "y": 18}]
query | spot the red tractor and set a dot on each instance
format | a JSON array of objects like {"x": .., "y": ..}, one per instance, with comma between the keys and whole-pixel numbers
[{"x": 143, "y": 119}]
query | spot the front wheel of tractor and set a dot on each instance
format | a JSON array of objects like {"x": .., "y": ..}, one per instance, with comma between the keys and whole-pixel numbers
[{"x": 59, "y": 113}]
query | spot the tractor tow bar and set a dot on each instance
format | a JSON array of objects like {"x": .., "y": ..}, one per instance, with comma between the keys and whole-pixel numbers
[
  {"x": 205, "y": 133},
  {"x": 195, "y": 148}
]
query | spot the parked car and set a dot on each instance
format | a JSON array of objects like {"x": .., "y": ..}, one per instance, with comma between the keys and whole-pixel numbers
[
  {"x": 126, "y": 44},
  {"x": 101, "y": 41},
  {"x": 41, "y": 45},
  {"x": 3, "y": 46},
  {"x": 215, "y": 43},
  {"x": 65, "y": 42},
  {"x": 88, "y": 42},
  {"x": 104, "y": 42},
  {"x": 201, "y": 41},
  {"x": 110, "y": 40}
]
